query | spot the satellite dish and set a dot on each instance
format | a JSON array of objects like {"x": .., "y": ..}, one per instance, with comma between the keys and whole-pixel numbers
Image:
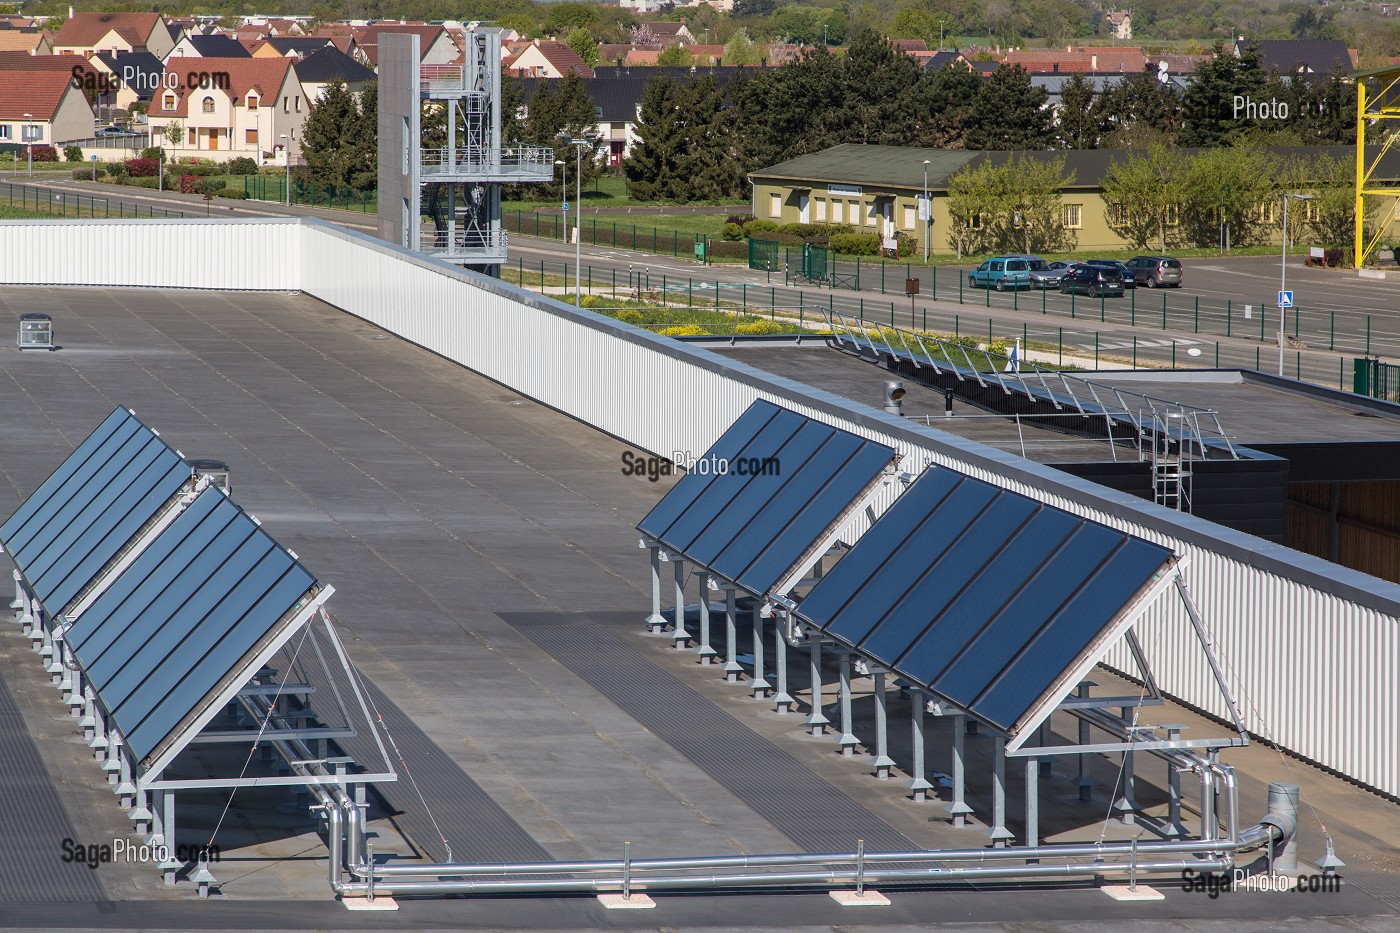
[{"x": 1162, "y": 72}]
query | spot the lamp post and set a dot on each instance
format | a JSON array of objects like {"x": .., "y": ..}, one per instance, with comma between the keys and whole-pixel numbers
[
  {"x": 1283, "y": 274},
  {"x": 29, "y": 138},
  {"x": 589, "y": 140},
  {"x": 287, "y": 148},
  {"x": 928, "y": 212}
]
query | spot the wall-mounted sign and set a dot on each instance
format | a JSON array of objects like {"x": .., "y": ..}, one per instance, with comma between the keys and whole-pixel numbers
[{"x": 843, "y": 189}]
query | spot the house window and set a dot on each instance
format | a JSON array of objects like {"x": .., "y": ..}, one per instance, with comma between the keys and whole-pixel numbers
[
  {"x": 1117, "y": 214},
  {"x": 821, "y": 210},
  {"x": 285, "y": 108},
  {"x": 5, "y": 131},
  {"x": 252, "y": 102},
  {"x": 169, "y": 102},
  {"x": 1071, "y": 215},
  {"x": 1311, "y": 211},
  {"x": 836, "y": 210},
  {"x": 1266, "y": 212},
  {"x": 910, "y": 215},
  {"x": 250, "y": 137},
  {"x": 207, "y": 105},
  {"x": 974, "y": 221},
  {"x": 872, "y": 214},
  {"x": 1173, "y": 216},
  {"x": 775, "y": 205},
  {"x": 298, "y": 103}
]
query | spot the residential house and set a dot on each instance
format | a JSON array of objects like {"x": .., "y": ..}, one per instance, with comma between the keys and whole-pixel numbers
[
  {"x": 909, "y": 46},
  {"x": 42, "y": 107},
  {"x": 28, "y": 41},
  {"x": 435, "y": 46},
  {"x": 89, "y": 33},
  {"x": 1091, "y": 60},
  {"x": 129, "y": 78},
  {"x": 216, "y": 45},
  {"x": 1303, "y": 57},
  {"x": 294, "y": 47},
  {"x": 943, "y": 58},
  {"x": 317, "y": 70},
  {"x": 671, "y": 33},
  {"x": 545, "y": 59},
  {"x": 229, "y": 107},
  {"x": 1118, "y": 24}
]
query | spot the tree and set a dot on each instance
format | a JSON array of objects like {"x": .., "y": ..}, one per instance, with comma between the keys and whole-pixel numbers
[
  {"x": 740, "y": 51},
  {"x": 878, "y": 83},
  {"x": 754, "y": 7},
  {"x": 1137, "y": 112},
  {"x": 709, "y": 166},
  {"x": 174, "y": 133},
  {"x": 675, "y": 55},
  {"x": 914, "y": 23},
  {"x": 336, "y": 141},
  {"x": 1212, "y": 101},
  {"x": 946, "y": 104},
  {"x": 1226, "y": 187},
  {"x": 653, "y": 165},
  {"x": 972, "y": 203},
  {"x": 1030, "y": 206},
  {"x": 582, "y": 42},
  {"x": 1144, "y": 194},
  {"x": 565, "y": 17},
  {"x": 1079, "y": 122},
  {"x": 1012, "y": 113}
]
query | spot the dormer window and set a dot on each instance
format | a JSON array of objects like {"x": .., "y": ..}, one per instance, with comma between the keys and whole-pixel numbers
[
  {"x": 169, "y": 102},
  {"x": 208, "y": 105},
  {"x": 252, "y": 102}
]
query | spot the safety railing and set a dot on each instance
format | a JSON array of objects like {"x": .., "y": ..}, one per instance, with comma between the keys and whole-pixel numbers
[
  {"x": 478, "y": 245},
  {"x": 531, "y": 162}
]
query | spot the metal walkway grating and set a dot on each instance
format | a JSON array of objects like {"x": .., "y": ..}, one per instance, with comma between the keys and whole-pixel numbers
[
  {"x": 813, "y": 813},
  {"x": 35, "y": 824}
]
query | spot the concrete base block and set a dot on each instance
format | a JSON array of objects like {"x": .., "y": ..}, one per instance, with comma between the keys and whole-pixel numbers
[
  {"x": 364, "y": 903},
  {"x": 618, "y": 902},
  {"x": 852, "y": 899},
  {"x": 1121, "y": 892},
  {"x": 1370, "y": 273}
]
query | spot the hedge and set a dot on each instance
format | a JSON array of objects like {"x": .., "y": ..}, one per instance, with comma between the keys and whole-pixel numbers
[{"x": 855, "y": 244}]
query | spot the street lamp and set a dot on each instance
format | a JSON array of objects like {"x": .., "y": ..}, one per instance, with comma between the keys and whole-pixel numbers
[
  {"x": 29, "y": 138},
  {"x": 1283, "y": 274},
  {"x": 287, "y": 149},
  {"x": 928, "y": 212},
  {"x": 589, "y": 140}
]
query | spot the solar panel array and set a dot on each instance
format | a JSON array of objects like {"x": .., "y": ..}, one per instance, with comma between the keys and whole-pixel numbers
[
  {"x": 789, "y": 478},
  {"x": 91, "y": 507},
  {"x": 188, "y": 618},
  {"x": 982, "y": 596}
]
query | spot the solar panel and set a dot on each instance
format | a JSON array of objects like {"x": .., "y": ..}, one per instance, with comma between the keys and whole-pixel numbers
[
  {"x": 788, "y": 479},
  {"x": 186, "y": 616},
  {"x": 87, "y": 511},
  {"x": 983, "y": 596}
]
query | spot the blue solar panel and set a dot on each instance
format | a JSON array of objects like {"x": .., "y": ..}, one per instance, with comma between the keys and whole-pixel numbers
[
  {"x": 87, "y": 511},
  {"x": 188, "y": 612},
  {"x": 983, "y": 596},
  {"x": 789, "y": 479}
]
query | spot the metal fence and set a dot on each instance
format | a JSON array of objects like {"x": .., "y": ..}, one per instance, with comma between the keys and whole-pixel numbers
[
  {"x": 274, "y": 188},
  {"x": 601, "y": 231},
  {"x": 70, "y": 204},
  {"x": 1378, "y": 380}
]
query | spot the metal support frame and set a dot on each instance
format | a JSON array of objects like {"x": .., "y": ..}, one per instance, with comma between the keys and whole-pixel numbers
[
  {"x": 846, "y": 742},
  {"x": 782, "y": 700},
  {"x": 816, "y": 721},
  {"x": 759, "y": 683},
  {"x": 958, "y": 808},
  {"x": 882, "y": 762},
  {"x": 679, "y": 636},
  {"x": 1377, "y": 109},
  {"x": 732, "y": 668},
  {"x": 704, "y": 651},
  {"x": 998, "y": 832},
  {"x": 655, "y": 622},
  {"x": 918, "y": 783},
  {"x": 1032, "y": 802}
]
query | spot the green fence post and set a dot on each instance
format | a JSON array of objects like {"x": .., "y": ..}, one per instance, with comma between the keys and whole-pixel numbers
[
  {"x": 1262, "y": 314},
  {"x": 773, "y": 299},
  {"x": 987, "y": 296},
  {"x": 956, "y": 330},
  {"x": 675, "y": 243},
  {"x": 614, "y": 233},
  {"x": 1015, "y": 299},
  {"x": 1164, "y": 310},
  {"x": 1096, "y": 350},
  {"x": 1341, "y": 375},
  {"x": 654, "y": 241},
  {"x": 689, "y": 292},
  {"x": 1071, "y": 304},
  {"x": 1368, "y": 335},
  {"x": 590, "y": 280},
  {"x": 882, "y": 275},
  {"x": 1296, "y": 315},
  {"x": 1229, "y": 304},
  {"x": 1173, "y": 354},
  {"x": 990, "y": 338},
  {"x": 960, "y": 284},
  {"x": 1256, "y": 359},
  {"x": 1198, "y": 314},
  {"x": 1217, "y": 354},
  {"x": 933, "y": 283},
  {"x": 892, "y": 315},
  {"x": 1102, "y": 313},
  {"x": 1042, "y": 301},
  {"x": 1332, "y": 331},
  {"x": 862, "y": 309}
]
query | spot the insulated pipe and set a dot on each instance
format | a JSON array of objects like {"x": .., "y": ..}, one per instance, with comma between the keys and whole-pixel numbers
[{"x": 1087, "y": 869}]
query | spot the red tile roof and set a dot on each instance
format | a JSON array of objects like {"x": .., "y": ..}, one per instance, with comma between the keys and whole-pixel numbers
[
  {"x": 84, "y": 30},
  {"x": 264, "y": 75},
  {"x": 34, "y": 92},
  {"x": 367, "y": 37}
]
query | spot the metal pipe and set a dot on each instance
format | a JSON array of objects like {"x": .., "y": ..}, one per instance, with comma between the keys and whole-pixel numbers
[
  {"x": 792, "y": 860},
  {"x": 792, "y": 879}
]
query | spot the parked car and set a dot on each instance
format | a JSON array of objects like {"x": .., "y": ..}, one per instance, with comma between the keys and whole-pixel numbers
[
  {"x": 1129, "y": 280},
  {"x": 1042, "y": 273},
  {"x": 113, "y": 131},
  {"x": 1092, "y": 280},
  {"x": 1153, "y": 271},
  {"x": 1001, "y": 273}
]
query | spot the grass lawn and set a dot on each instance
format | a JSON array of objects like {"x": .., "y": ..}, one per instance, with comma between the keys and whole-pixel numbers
[{"x": 606, "y": 191}]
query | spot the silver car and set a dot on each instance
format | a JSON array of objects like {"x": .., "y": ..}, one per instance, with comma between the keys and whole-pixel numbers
[
  {"x": 1153, "y": 271},
  {"x": 1044, "y": 274}
]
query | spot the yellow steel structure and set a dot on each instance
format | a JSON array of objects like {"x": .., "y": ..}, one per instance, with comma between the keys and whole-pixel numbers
[{"x": 1377, "y": 102}]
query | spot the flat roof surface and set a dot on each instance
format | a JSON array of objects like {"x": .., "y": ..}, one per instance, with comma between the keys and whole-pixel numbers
[{"x": 490, "y": 587}]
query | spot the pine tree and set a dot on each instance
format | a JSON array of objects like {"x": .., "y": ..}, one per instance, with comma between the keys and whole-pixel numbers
[
  {"x": 1078, "y": 123},
  {"x": 654, "y": 161},
  {"x": 1211, "y": 115},
  {"x": 1012, "y": 113},
  {"x": 945, "y": 105},
  {"x": 329, "y": 136},
  {"x": 1137, "y": 112},
  {"x": 879, "y": 82},
  {"x": 708, "y": 168}
]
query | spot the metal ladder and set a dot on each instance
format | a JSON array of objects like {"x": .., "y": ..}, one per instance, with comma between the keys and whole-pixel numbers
[{"x": 1172, "y": 442}]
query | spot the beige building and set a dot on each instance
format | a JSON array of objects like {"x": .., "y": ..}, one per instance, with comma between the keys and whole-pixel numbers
[
  {"x": 231, "y": 107},
  {"x": 878, "y": 189},
  {"x": 42, "y": 108},
  {"x": 89, "y": 33}
]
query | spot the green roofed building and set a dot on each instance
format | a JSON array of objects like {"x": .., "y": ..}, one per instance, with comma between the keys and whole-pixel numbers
[{"x": 878, "y": 190}]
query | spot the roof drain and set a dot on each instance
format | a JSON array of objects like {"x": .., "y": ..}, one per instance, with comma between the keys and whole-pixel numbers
[{"x": 786, "y": 871}]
